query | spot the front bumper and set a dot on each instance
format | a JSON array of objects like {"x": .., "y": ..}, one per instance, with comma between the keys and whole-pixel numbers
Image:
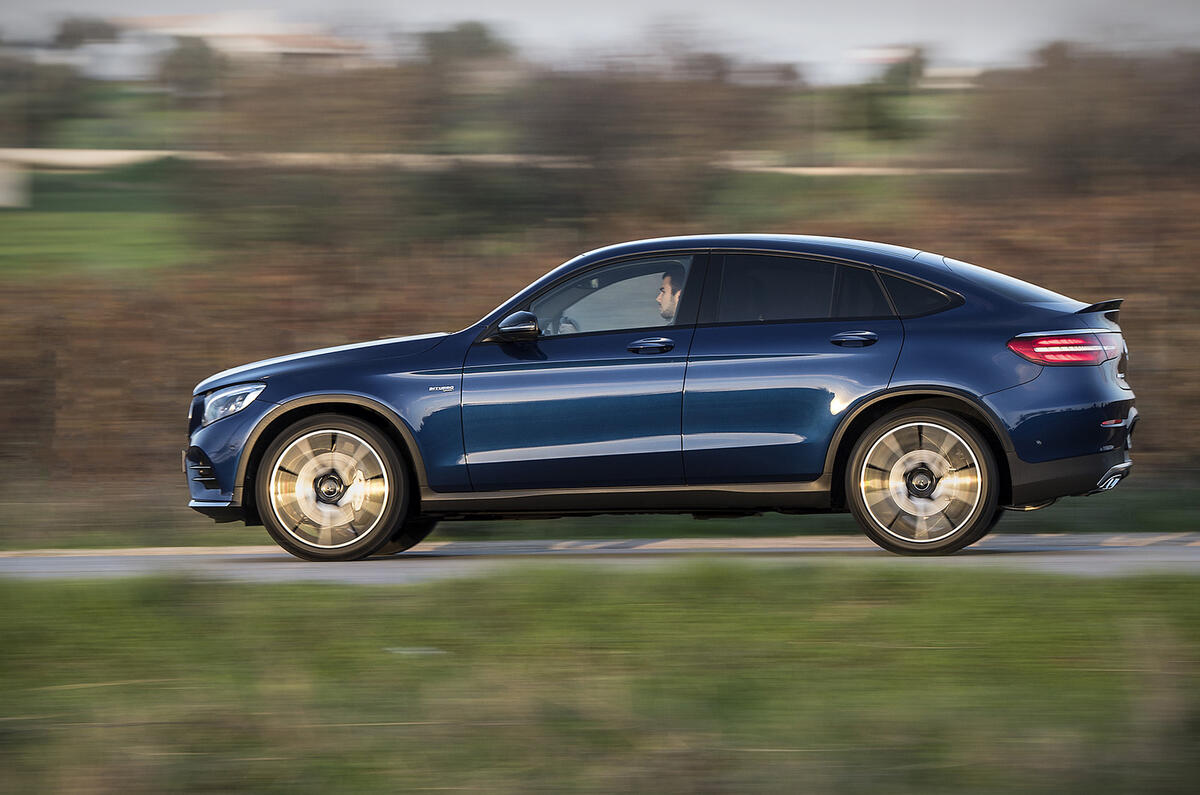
[
  {"x": 219, "y": 512},
  {"x": 210, "y": 462}
]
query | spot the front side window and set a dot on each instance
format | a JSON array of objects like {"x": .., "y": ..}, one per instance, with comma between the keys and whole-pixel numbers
[
  {"x": 757, "y": 288},
  {"x": 629, "y": 295}
]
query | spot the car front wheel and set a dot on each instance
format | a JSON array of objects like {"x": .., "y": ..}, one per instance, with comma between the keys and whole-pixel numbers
[
  {"x": 922, "y": 482},
  {"x": 332, "y": 487},
  {"x": 414, "y": 531}
]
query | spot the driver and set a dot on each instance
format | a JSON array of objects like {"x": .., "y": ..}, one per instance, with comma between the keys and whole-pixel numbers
[{"x": 669, "y": 292}]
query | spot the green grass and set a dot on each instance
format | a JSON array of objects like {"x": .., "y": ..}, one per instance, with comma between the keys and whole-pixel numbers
[
  {"x": 136, "y": 218},
  {"x": 194, "y": 532},
  {"x": 124, "y": 220},
  {"x": 699, "y": 678},
  {"x": 129, "y": 117},
  {"x": 1121, "y": 511},
  {"x": 764, "y": 202},
  {"x": 815, "y": 136},
  {"x": 1126, "y": 510},
  {"x": 478, "y": 137},
  {"x": 144, "y": 129},
  {"x": 56, "y": 243},
  {"x": 151, "y": 187}
]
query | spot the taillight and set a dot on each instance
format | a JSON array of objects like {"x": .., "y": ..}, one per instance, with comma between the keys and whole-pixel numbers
[{"x": 1066, "y": 348}]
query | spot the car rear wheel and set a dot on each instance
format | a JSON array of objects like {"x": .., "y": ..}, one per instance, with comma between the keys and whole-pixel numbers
[
  {"x": 332, "y": 487},
  {"x": 987, "y": 527},
  {"x": 922, "y": 482}
]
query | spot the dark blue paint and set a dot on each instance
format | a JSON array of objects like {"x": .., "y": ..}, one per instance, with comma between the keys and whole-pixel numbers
[
  {"x": 224, "y": 442},
  {"x": 733, "y": 403},
  {"x": 763, "y": 400},
  {"x": 1058, "y": 414},
  {"x": 574, "y": 411}
]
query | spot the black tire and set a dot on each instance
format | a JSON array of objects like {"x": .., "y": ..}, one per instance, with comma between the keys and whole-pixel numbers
[
  {"x": 411, "y": 533},
  {"x": 922, "y": 482},
  {"x": 989, "y": 525},
  {"x": 326, "y": 526}
]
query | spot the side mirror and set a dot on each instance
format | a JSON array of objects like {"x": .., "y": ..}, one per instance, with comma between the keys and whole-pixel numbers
[{"x": 517, "y": 327}]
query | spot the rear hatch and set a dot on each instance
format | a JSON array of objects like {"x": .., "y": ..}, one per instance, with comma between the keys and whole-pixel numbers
[
  {"x": 1072, "y": 333},
  {"x": 1103, "y": 316}
]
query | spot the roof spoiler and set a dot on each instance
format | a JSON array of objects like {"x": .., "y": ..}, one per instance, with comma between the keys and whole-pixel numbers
[
  {"x": 1110, "y": 305},
  {"x": 1111, "y": 308}
]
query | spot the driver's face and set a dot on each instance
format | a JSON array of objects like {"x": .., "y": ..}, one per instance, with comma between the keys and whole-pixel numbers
[{"x": 668, "y": 299}]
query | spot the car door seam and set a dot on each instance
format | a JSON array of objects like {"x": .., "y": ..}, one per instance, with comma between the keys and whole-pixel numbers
[{"x": 687, "y": 362}]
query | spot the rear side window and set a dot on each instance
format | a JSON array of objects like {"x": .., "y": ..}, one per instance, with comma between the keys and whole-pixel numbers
[
  {"x": 859, "y": 294},
  {"x": 758, "y": 288},
  {"x": 912, "y": 299}
]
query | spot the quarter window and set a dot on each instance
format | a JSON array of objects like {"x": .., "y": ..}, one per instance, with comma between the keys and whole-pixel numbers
[
  {"x": 912, "y": 299},
  {"x": 630, "y": 295},
  {"x": 759, "y": 288}
]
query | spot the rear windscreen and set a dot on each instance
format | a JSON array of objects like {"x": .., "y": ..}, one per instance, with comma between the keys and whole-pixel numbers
[{"x": 1008, "y": 286}]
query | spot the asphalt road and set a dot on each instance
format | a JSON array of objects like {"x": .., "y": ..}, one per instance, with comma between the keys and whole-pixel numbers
[{"x": 1076, "y": 554}]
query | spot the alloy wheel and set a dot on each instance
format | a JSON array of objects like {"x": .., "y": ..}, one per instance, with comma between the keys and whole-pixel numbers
[
  {"x": 920, "y": 482},
  {"x": 329, "y": 488}
]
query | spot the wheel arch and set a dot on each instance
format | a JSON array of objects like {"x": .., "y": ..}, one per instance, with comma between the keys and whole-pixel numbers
[
  {"x": 283, "y": 415},
  {"x": 958, "y": 403}
]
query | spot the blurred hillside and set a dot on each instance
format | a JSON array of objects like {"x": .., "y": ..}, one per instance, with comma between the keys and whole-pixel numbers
[{"x": 123, "y": 287}]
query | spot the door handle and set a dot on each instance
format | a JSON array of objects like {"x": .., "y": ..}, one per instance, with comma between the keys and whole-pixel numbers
[
  {"x": 651, "y": 345},
  {"x": 855, "y": 339}
]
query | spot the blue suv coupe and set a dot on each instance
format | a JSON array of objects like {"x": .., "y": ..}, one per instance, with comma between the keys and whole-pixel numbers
[{"x": 712, "y": 375}]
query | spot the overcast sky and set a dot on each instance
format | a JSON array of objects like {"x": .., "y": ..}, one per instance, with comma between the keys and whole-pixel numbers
[{"x": 820, "y": 35}]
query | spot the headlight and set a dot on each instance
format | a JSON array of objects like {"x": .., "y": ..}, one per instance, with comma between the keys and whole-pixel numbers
[{"x": 229, "y": 400}]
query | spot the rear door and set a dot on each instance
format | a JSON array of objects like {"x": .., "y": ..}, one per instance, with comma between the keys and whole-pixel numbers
[{"x": 785, "y": 344}]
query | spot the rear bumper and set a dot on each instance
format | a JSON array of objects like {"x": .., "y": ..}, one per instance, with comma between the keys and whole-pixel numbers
[
  {"x": 1067, "y": 477},
  {"x": 1112, "y": 477},
  {"x": 1070, "y": 431}
]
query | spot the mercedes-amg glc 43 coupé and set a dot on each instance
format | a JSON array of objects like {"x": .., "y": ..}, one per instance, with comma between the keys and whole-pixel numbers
[{"x": 711, "y": 375}]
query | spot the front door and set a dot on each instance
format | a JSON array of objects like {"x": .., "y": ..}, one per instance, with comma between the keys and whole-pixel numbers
[{"x": 596, "y": 400}]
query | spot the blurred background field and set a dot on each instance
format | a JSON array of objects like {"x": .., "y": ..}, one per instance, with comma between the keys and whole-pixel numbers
[
  {"x": 185, "y": 192},
  {"x": 713, "y": 677},
  {"x": 204, "y": 206},
  {"x": 76, "y": 523}
]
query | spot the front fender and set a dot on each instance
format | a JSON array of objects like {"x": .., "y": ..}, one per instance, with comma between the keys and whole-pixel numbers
[{"x": 288, "y": 411}]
